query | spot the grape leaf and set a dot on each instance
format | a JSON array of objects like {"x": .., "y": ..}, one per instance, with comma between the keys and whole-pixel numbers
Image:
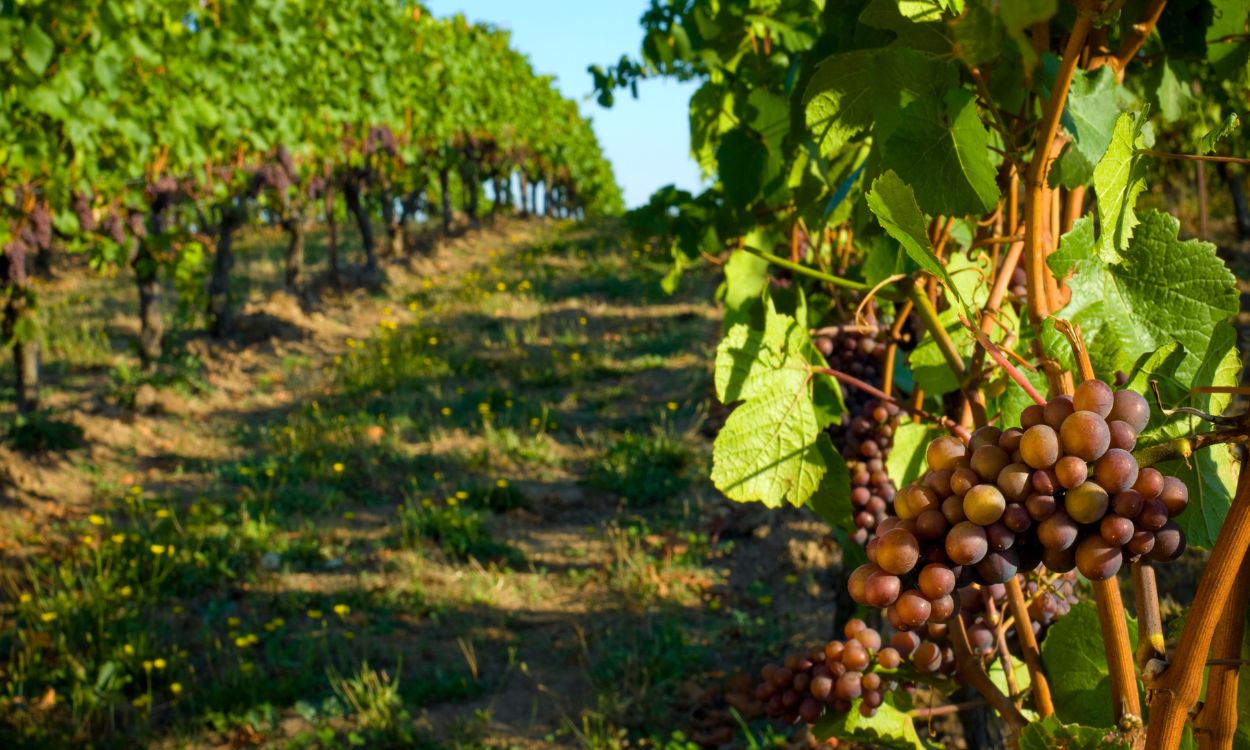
[
  {"x": 893, "y": 202},
  {"x": 745, "y": 164},
  {"x": 979, "y": 32},
  {"x": 905, "y": 463},
  {"x": 1118, "y": 179},
  {"x": 1089, "y": 117},
  {"x": 1218, "y": 133},
  {"x": 890, "y": 727},
  {"x": 37, "y": 48},
  {"x": 1052, "y": 734},
  {"x": 768, "y": 449},
  {"x": 839, "y": 99},
  {"x": 919, "y": 24},
  {"x": 1076, "y": 662},
  {"x": 1162, "y": 290},
  {"x": 928, "y": 364},
  {"x": 1171, "y": 91},
  {"x": 941, "y": 148},
  {"x": 746, "y": 276}
]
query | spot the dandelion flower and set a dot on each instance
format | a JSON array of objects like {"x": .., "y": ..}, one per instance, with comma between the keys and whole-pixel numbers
[
  {"x": 158, "y": 663},
  {"x": 95, "y": 519},
  {"x": 157, "y": 549},
  {"x": 338, "y": 467},
  {"x": 342, "y": 610},
  {"x": 48, "y": 616},
  {"x": 672, "y": 405},
  {"x": 175, "y": 687}
]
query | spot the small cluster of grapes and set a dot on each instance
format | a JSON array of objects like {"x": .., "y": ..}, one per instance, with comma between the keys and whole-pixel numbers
[
  {"x": 1064, "y": 491},
  {"x": 832, "y": 678},
  {"x": 868, "y": 434}
]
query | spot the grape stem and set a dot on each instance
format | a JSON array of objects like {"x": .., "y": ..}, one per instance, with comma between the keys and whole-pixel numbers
[
  {"x": 1150, "y": 641},
  {"x": 972, "y": 673},
  {"x": 1029, "y": 649},
  {"x": 1012, "y": 371},
  {"x": 1184, "y": 447},
  {"x": 828, "y": 278},
  {"x": 954, "y": 427},
  {"x": 950, "y": 708},
  {"x": 1175, "y": 691},
  {"x": 1216, "y": 723}
]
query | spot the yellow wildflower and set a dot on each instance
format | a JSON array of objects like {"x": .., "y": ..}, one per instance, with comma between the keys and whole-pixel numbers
[{"x": 95, "y": 519}]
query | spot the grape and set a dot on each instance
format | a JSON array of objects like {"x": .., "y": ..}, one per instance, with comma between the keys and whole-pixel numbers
[
  {"x": 1086, "y": 503},
  {"x": 869, "y": 639},
  {"x": 1010, "y": 441},
  {"x": 903, "y": 643},
  {"x": 914, "y": 500},
  {"x": 1085, "y": 435},
  {"x": 1056, "y": 410},
  {"x": 1040, "y": 507},
  {"x": 1122, "y": 435},
  {"x": 872, "y": 680},
  {"x": 1059, "y": 560},
  {"x": 1040, "y": 447},
  {"x": 1096, "y": 559},
  {"x": 848, "y": 686},
  {"x": 1142, "y": 543},
  {"x": 1058, "y": 532},
  {"x": 1130, "y": 407},
  {"x": 1128, "y": 503},
  {"x": 966, "y": 543},
  {"x": 1015, "y": 481},
  {"x": 936, "y": 580},
  {"x": 868, "y": 709},
  {"x": 1116, "y": 529},
  {"x": 1033, "y": 414},
  {"x": 988, "y": 461},
  {"x": 928, "y": 657},
  {"x": 1150, "y": 482},
  {"x": 942, "y": 607},
  {"x": 930, "y": 525},
  {"x": 857, "y": 584},
  {"x": 1175, "y": 496},
  {"x": 913, "y": 609},
  {"x": 1045, "y": 482},
  {"x": 889, "y": 658},
  {"x": 999, "y": 537},
  {"x": 998, "y": 567},
  {"x": 984, "y": 504},
  {"x": 881, "y": 589},
  {"x": 898, "y": 551},
  {"x": 1094, "y": 395},
  {"x": 1016, "y": 518},
  {"x": 1169, "y": 542},
  {"x": 1116, "y": 471},
  {"x": 810, "y": 710},
  {"x": 1153, "y": 515},
  {"x": 855, "y": 657},
  {"x": 983, "y": 436},
  {"x": 963, "y": 480},
  {"x": 938, "y": 482},
  {"x": 953, "y": 509},
  {"x": 854, "y": 627},
  {"x": 944, "y": 453},
  {"x": 1071, "y": 471}
]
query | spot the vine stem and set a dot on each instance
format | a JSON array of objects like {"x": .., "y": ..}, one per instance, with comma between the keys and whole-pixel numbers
[
  {"x": 950, "y": 708},
  {"x": 973, "y": 674},
  {"x": 954, "y": 427},
  {"x": 1175, "y": 691},
  {"x": 929, "y": 317},
  {"x": 1150, "y": 640},
  {"x": 828, "y": 278},
  {"x": 1216, "y": 723},
  {"x": 1029, "y": 649},
  {"x": 1184, "y": 447},
  {"x": 1012, "y": 371},
  {"x": 1193, "y": 157}
]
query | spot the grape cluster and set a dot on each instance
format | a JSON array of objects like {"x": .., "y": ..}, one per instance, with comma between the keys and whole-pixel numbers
[
  {"x": 868, "y": 434},
  {"x": 862, "y": 668},
  {"x": 1063, "y": 489}
]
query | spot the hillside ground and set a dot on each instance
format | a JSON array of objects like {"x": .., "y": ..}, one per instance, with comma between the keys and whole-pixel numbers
[{"x": 463, "y": 509}]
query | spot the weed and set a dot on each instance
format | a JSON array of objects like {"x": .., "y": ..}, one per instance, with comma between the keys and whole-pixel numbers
[{"x": 642, "y": 469}]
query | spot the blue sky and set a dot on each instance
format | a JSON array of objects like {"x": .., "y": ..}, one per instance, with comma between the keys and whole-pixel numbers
[{"x": 646, "y": 139}]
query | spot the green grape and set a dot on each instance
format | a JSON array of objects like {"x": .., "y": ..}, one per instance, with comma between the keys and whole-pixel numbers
[
  {"x": 984, "y": 504},
  {"x": 1040, "y": 447},
  {"x": 1086, "y": 503}
]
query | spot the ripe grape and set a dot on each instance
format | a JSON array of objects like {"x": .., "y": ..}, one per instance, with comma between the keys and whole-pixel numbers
[
  {"x": 1086, "y": 503},
  {"x": 928, "y": 657},
  {"x": 936, "y": 580},
  {"x": 1096, "y": 559},
  {"x": 942, "y": 607},
  {"x": 889, "y": 658},
  {"x": 944, "y": 453},
  {"x": 1122, "y": 435},
  {"x": 1153, "y": 515},
  {"x": 1010, "y": 441},
  {"x": 1116, "y": 529},
  {"x": 1016, "y": 518},
  {"x": 1033, "y": 414},
  {"x": 1040, "y": 447},
  {"x": 1128, "y": 503},
  {"x": 1045, "y": 482},
  {"x": 881, "y": 589},
  {"x": 984, "y": 504},
  {"x": 931, "y": 525},
  {"x": 1093, "y": 395},
  {"x": 1085, "y": 435},
  {"x": 898, "y": 551},
  {"x": 1040, "y": 507},
  {"x": 1058, "y": 532},
  {"x": 1169, "y": 542},
  {"x": 963, "y": 480},
  {"x": 913, "y": 609},
  {"x": 1056, "y": 410},
  {"x": 1175, "y": 496},
  {"x": 1116, "y": 471},
  {"x": 1150, "y": 482},
  {"x": 1142, "y": 543},
  {"x": 988, "y": 461},
  {"x": 987, "y": 435},
  {"x": 1130, "y": 407},
  {"x": 998, "y": 567},
  {"x": 966, "y": 543},
  {"x": 1071, "y": 471}
]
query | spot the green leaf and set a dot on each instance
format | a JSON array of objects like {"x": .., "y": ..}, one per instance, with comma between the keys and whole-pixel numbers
[
  {"x": 746, "y": 276},
  {"x": 984, "y": 26},
  {"x": 919, "y": 24},
  {"x": 893, "y": 202},
  {"x": 942, "y": 149},
  {"x": 1076, "y": 662},
  {"x": 743, "y": 161},
  {"x": 839, "y": 98},
  {"x": 1219, "y": 133},
  {"x": 1118, "y": 179},
  {"x": 768, "y": 449},
  {"x": 37, "y": 48},
  {"x": 1171, "y": 90},
  {"x": 832, "y": 499},
  {"x": 928, "y": 363},
  {"x": 890, "y": 727},
  {"x": 1052, "y": 734},
  {"x": 1164, "y": 290},
  {"x": 1089, "y": 117},
  {"x": 905, "y": 463}
]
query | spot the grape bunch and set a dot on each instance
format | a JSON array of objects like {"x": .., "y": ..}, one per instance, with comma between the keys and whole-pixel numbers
[
  {"x": 1063, "y": 489},
  {"x": 862, "y": 668},
  {"x": 867, "y": 435}
]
